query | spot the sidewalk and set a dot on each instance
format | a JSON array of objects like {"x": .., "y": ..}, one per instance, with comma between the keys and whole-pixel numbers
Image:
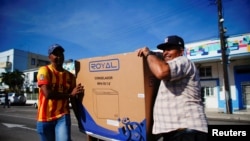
[{"x": 240, "y": 115}]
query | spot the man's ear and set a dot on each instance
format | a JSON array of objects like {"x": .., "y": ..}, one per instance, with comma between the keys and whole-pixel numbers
[{"x": 181, "y": 51}]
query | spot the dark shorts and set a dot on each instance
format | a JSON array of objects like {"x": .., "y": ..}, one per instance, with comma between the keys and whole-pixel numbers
[{"x": 185, "y": 135}]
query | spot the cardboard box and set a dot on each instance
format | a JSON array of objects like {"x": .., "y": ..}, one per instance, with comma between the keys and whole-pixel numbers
[{"x": 119, "y": 97}]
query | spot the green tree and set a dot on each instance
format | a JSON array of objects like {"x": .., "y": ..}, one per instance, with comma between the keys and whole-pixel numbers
[{"x": 14, "y": 80}]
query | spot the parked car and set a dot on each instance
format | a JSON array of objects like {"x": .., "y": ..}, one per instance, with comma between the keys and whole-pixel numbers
[
  {"x": 1, "y": 97},
  {"x": 15, "y": 98}
]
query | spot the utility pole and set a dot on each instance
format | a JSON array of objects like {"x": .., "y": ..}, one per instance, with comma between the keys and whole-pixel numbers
[{"x": 224, "y": 56}]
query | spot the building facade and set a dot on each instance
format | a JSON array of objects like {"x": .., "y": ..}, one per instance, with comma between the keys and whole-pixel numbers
[
  {"x": 207, "y": 57},
  {"x": 13, "y": 59}
]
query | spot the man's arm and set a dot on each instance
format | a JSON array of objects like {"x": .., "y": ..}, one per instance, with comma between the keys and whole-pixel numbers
[
  {"x": 49, "y": 94},
  {"x": 157, "y": 65}
]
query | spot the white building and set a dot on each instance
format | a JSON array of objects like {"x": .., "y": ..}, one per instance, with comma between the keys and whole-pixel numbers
[
  {"x": 207, "y": 57},
  {"x": 13, "y": 59}
]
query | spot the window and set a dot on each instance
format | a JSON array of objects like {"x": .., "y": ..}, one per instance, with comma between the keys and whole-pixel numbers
[
  {"x": 206, "y": 92},
  {"x": 205, "y": 71},
  {"x": 42, "y": 62},
  {"x": 33, "y": 61},
  {"x": 35, "y": 76}
]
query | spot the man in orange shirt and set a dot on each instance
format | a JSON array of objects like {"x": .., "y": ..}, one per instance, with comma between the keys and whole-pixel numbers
[{"x": 56, "y": 87}]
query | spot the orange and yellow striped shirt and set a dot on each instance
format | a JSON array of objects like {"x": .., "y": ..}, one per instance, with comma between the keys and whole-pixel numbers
[{"x": 63, "y": 82}]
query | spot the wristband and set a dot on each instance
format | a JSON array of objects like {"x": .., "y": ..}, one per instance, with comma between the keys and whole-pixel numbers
[{"x": 150, "y": 53}]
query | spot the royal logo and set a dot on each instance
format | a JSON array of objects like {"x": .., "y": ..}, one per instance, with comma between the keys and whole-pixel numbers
[{"x": 104, "y": 65}]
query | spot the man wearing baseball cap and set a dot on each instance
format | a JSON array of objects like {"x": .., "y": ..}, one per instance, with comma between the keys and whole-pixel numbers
[
  {"x": 56, "y": 86},
  {"x": 178, "y": 109}
]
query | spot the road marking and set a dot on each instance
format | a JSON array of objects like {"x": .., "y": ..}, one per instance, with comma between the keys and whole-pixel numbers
[
  {"x": 18, "y": 116},
  {"x": 35, "y": 119},
  {"x": 10, "y": 125}
]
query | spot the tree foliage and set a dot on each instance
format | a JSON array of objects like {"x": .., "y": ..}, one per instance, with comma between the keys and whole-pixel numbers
[{"x": 14, "y": 80}]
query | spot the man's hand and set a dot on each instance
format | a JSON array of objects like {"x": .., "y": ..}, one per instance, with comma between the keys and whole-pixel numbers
[
  {"x": 77, "y": 90},
  {"x": 142, "y": 51}
]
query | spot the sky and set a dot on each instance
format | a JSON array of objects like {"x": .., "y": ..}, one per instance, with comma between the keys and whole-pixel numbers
[{"x": 92, "y": 28}]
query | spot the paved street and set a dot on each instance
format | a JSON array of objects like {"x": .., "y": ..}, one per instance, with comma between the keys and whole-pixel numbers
[
  {"x": 18, "y": 123},
  {"x": 241, "y": 115}
]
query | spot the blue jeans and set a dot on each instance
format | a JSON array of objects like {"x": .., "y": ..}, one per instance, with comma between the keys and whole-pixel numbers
[{"x": 57, "y": 130}]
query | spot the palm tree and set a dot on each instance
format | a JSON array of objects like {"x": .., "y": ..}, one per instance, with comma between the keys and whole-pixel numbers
[{"x": 14, "y": 80}]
